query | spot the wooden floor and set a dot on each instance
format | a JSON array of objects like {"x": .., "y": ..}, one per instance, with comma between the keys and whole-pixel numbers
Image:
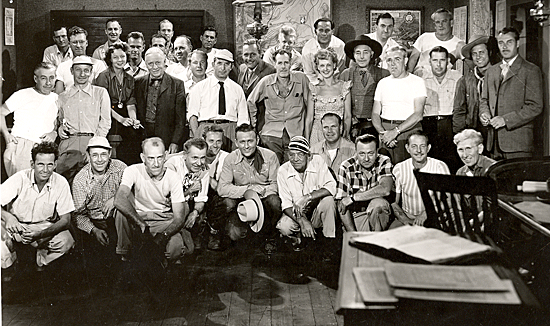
[{"x": 240, "y": 286}]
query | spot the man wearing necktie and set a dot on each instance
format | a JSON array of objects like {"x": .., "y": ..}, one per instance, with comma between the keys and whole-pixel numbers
[
  {"x": 218, "y": 100},
  {"x": 160, "y": 101},
  {"x": 364, "y": 76},
  {"x": 511, "y": 99}
]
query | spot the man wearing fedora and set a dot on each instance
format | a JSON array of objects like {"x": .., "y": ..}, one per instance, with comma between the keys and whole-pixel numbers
[
  {"x": 218, "y": 100},
  {"x": 247, "y": 170},
  {"x": 94, "y": 188},
  {"x": 84, "y": 112},
  {"x": 384, "y": 30},
  {"x": 511, "y": 99},
  {"x": 365, "y": 76},
  {"x": 306, "y": 188},
  {"x": 468, "y": 90}
]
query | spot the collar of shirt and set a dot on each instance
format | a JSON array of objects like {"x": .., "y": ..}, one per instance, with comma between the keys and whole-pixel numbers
[
  {"x": 240, "y": 156},
  {"x": 214, "y": 81},
  {"x": 511, "y": 61},
  {"x": 159, "y": 79},
  {"x": 292, "y": 173},
  {"x": 141, "y": 66},
  {"x": 272, "y": 79},
  {"x": 480, "y": 165},
  {"x": 332, "y": 43},
  {"x": 48, "y": 184},
  {"x": 449, "y": 75},
  {"x": 73, "y": 90},
  {"x": 69, "y": 52}
]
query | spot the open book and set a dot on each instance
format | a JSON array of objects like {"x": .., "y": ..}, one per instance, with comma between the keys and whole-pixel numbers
[{"x": 419, "y": 243}]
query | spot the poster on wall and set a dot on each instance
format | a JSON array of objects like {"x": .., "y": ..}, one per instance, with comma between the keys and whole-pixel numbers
[
  {"x": 9, "y": 26},
  {"x": 460, "y": 22},
  {"x": 407, "y": 25},
  {"x": 300, "y": 14}
]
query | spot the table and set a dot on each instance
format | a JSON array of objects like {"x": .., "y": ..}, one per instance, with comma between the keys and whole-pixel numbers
[
  {"x": 506, "y": 202},
  {"x": 416, "y": 312}
]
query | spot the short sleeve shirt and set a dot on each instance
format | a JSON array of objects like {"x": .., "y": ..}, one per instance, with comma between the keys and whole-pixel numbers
[{"x": 399, "y": 105}]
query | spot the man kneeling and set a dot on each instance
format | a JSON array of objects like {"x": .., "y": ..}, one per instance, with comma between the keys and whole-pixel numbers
[
  {"x": 159, "y": 208},
  {"x": 36, "y": 195}
]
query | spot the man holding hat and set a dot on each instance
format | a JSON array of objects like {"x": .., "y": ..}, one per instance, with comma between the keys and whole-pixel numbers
[
  {"x": 250, "y": 168},
  {"x": 84, "y": 112},
  {"x": 94, "y": 189},
  {"x": 468, "y": 90},
  {"x": 365, "y": 77},
  {"x": 160, "y": 101},
  {"x": 306, "y": 188},
  {"x": 218, "y": 100}
]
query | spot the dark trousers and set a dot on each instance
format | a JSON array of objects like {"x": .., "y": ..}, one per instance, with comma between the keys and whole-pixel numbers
[
  {"x": 237, "y": 229},
  {"x": 278, "y": 145},
  {"x": 440, "y": 134}
]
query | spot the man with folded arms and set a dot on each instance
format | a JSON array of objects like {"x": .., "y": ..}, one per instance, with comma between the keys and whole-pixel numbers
[
  {"x": 151, "y": 198},
  {"x": 94, "y": 189},
  {"x": 364, "y": 181},
  {"x": 306, "y": 188},
  {"x": 40, "y": 210},
  {"x": 84, "y": 112},
  {"x": 34, "y": 114},
  {"x": 218, "y": 100},
  {"x": 250, "y": 168},
  {"x": 408, "y": 207}
]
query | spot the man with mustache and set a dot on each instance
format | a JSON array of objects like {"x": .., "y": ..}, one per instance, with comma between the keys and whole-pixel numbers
[
  {"x": 113, "y": 30},
  {"x": 35, "y": 111}
]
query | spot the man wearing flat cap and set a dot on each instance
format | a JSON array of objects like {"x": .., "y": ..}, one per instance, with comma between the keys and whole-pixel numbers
[
  {"x": 306, "y": 188},
  {"x": 218, "y": 100},
  {"x": 365, "y": 77},
  {"x": 94, "y": 189},
  {"x": 468, "y": 90},
  {"x": 84, "y": 112}
]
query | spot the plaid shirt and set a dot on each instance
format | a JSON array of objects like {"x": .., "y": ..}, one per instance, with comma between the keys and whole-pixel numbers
[
  {"x": 90, "y": 193},
  {"x": 352, "y": 177}
]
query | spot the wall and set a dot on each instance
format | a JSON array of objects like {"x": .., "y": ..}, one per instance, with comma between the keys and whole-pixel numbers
[{"x": 8, "y": 57}]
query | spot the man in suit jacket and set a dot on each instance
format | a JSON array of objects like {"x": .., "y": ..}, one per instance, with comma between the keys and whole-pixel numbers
[
  {"x": 160, "y": 101},
  {"x": 253, "y": 69},
  {"x": 510, "y": 101}
]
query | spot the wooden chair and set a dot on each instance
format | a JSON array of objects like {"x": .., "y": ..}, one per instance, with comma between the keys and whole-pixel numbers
[{"x": 454, "y": 203}]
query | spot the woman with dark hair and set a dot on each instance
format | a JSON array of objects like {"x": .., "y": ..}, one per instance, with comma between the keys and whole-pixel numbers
[
  {"x": 120, "y": 86},
  {"x": 330, "y": 95}
]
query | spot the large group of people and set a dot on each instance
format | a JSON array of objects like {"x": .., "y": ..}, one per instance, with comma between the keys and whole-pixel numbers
[{"x": 188, "y": 149}]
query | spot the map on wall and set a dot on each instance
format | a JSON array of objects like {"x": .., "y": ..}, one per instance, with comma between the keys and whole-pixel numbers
[
  {"x": 300, "y": 14},
  {"x": 406, "y": 28}
]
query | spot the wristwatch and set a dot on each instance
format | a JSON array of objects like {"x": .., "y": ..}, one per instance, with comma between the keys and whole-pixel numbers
[{"x": 398, "y": 131}]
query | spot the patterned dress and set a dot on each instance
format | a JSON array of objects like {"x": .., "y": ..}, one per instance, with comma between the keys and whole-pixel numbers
[{"x": 325, "y": 104}]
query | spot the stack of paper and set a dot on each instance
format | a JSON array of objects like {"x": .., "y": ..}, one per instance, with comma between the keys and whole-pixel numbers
[
  {"x": 429, "y": 245},
  {"x": 472, "y": 284}
]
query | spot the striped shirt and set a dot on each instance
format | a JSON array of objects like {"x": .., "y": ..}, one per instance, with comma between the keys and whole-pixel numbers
[
  {"x": 91, "y": 192},
  {"x": 352, "y": 177},
  {"x": 405, "y": 183}
]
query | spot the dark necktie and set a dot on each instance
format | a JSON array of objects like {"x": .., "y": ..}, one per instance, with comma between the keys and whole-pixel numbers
[
  {"x": 364, "y": 77},
  {"x": 221, "y": 100}
]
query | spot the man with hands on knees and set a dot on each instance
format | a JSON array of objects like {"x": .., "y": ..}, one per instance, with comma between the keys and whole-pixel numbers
[
  {"x": 306, "y": 188},
  {"x": 40, "y": 212},
  {"x": 94, "y": 189},
  {"x": 364, "y": 181},
  {"x": 150, "y": 197}
]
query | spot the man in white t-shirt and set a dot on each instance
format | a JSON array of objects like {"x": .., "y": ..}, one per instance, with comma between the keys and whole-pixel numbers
[
  {"x": 151, "y": 197},
  {"x": 383, "y": 33},
  {"x": 408, "y": 207},
  {"x": 324, "y": 28},
  {"x": 34, "y": 111},
  {"x": 443, "y": 36},
  {"x": 398, "y": 105},
  {"x": 78, "y": 43}
]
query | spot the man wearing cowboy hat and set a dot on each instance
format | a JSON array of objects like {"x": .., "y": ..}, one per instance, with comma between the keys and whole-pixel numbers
[
  {"x": 468, "y": 90},
  {"x": 306, "y": 188},
  {"x": 250, "y": 168},
  {"x": 382, "y": 35},
  {"x": 218, "y": 100},
  {"x": 365, "y": 77}
]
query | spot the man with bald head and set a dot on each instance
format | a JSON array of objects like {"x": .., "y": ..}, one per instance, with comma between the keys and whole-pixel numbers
[{"x": 160, "y": 101}]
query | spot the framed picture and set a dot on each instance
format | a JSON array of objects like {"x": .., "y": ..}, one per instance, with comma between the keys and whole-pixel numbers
[{"x": 407, "y": 27}]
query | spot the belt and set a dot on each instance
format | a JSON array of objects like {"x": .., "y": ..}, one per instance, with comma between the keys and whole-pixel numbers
[
  {"x": 78, "y": 134},
  {"x": 363, "y": 119},
  {"x": 394, "y": 122},
  {"x": 438, "y": 117},
  {"x": 218, "y": 121}
]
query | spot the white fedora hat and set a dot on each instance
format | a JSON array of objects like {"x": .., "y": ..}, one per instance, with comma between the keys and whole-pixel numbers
[{"x": 251, "y": 210}]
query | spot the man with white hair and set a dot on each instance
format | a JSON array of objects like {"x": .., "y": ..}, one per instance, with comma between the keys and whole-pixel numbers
[
  {"x": 218, "y": 100},
  {"x": 469, "y": 145},
  {"x": 160, "y": 101}
]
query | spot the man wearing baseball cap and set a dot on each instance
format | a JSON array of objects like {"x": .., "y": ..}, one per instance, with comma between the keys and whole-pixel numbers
[
  {"x": 218, "y": 100},
  {"x": 84, "y": 112},
  {"x": 365, "y": 76},
  {"x": 94, "y": 189},
  {"x": 306, "y": 188}
]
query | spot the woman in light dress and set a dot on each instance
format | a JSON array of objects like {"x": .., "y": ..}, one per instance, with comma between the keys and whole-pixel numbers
[{"x": 330, "y": 95}]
